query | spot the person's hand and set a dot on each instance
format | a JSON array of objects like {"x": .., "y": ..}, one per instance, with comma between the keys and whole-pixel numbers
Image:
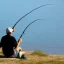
[
  {"x": 20, "y": 40},
  {"x": 13, "y": 29}
]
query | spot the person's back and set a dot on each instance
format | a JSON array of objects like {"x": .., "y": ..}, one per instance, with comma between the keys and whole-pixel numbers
[{"x": 8, "y": 42}]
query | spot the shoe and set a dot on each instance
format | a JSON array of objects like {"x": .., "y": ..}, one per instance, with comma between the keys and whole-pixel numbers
[{"x": 23, "y": 57}]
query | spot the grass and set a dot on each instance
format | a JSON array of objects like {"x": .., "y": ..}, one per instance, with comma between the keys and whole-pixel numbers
[
  {"x": 36, "y": 57},
  {"x": 39, "y": 53},
  {"x": 16, "y": 61}
]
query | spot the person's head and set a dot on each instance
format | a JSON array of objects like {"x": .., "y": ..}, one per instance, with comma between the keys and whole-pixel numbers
[{"x": 9, "y": 31}]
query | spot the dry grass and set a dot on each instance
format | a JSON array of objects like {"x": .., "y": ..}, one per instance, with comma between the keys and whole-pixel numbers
[
  {"x": 35, "y": 59},
  {"x": 39, "y": 53}
]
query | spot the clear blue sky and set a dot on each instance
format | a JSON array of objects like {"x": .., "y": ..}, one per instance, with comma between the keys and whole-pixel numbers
[{"x": 46, "y": 34}]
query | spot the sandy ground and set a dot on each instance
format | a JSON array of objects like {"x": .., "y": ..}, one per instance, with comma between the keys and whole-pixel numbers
[{"x": 32, "y": 59}]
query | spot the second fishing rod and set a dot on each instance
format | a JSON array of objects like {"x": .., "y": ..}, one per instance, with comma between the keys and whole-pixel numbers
[{"x": 27, "y": 27}]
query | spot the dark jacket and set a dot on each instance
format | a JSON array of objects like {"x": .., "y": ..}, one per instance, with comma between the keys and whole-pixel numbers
[{"x": 8, "y": 43}]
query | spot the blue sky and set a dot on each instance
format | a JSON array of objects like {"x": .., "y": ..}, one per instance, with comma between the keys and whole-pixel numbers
[{"x": 45, "y": 34}]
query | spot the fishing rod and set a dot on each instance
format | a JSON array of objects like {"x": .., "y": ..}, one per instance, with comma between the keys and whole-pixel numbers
[
  {"x": 29, "y": 13},
  {"x": 27, "y": 27}
]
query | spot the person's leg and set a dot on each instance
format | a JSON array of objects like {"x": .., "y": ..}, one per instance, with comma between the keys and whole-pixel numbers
[
  {"x": 15, "y": 53},
  {"x": 24, "y": 57},
  {"x": 20, "y": 54}
]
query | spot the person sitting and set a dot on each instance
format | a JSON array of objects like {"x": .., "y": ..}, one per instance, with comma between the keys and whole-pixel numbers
[{"x": 9, "y": 44}]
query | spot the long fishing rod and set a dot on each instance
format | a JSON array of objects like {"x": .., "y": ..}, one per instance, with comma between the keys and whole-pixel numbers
[
  {"x": 27, "y": 27},
  {"x": 29, "y": 13}
]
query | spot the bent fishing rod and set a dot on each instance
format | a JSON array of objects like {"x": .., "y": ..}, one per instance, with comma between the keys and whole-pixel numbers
[
  {"x": 27, "y": 27},
  {"x": 29, "y": 13}
]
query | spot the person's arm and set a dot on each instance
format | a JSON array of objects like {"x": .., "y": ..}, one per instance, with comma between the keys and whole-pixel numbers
[
  {"x": 20, "y": 40},
  {"x": 18, "y": 43},
  {"x": 14, "y": 42}
]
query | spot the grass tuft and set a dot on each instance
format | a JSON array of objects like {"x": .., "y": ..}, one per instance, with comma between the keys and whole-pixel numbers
[{"x": 39, "y": 53}]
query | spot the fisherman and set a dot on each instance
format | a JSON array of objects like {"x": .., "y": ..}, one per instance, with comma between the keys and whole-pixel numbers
[{"x": 9, "y": 44}]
